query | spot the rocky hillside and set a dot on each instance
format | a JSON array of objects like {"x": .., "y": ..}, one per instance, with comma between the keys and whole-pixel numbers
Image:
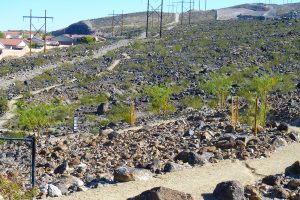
[
  {"x": 104, "y": 25},
  {"x": 266, "y": 10},
  {"x": 136, "y": 21}
]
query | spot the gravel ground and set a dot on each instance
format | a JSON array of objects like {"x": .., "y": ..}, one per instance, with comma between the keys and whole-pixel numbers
[{"x": 201, "y": 181}]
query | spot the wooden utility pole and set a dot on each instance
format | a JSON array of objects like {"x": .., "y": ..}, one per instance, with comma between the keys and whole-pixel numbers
[
  {"x": 159, "y": 11},
  {"x": 30, "y": 29}
]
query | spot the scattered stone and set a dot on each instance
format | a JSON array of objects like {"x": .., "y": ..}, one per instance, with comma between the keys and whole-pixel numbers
[
  {"x": 191, "y": 157},
  {"x": 126, "y": 174},
  {"x": 230, "y": 190},
  {"x": 295, "y": 136},
  {"x": 53, "y": 191},
  {"x": 173, "y": 167},
  {"x": 102, "y": 108},
  {"x": 252, "y": 193},
  {"x": 293, "y": 170},
  {"x": 283, "y": 127},
  {"x": 162, "y": 193},
  {"x": 280, "y": 192},
  {"x": 229, "y": 129},
  {"x": 272, "y": 180},
  {"x": 294, "y": 184},
  {"x": 62, "y": 169},
  {"x": 279, "y": 142}
]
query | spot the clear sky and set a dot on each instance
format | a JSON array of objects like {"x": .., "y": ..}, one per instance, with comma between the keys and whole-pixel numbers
[{"x": 66, "y": 12}]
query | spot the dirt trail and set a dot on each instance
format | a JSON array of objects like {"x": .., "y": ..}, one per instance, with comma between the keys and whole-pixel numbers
[
  {"x": 30, "y": 74},
  {"x": 201, "y": 180},
  {"x": 12, "y": 105}
]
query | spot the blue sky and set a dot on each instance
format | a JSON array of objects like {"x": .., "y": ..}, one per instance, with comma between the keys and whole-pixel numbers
[{"x": 66, "y": 12}]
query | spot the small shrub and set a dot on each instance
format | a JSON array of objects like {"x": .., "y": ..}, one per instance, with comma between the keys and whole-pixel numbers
[
  {"x": 3, "y": 105},
  {"x": 11, "y": 189},
  {"x": 160, "y": 99},
  {"x": 192, "y": 101}
]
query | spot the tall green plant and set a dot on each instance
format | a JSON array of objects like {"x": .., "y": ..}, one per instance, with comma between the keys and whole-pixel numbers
[
  {"x": 219, "y": 86},
  {"x": 160, "y": 99}
]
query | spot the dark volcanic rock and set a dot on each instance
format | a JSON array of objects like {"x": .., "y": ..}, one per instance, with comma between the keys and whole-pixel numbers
[
  {"x": 280, "y": 192},
  {"x": 173, "y": 167},
  {"x": 283, "y": 127},
  {"x": 191, "y": 157},
  {"x": 230, "y": 190},
  {"x": 293, "y": 170},
  {"x": 252, "y": 193},
  {"x": 102, "y": 108},
  {"x": 162, "y": 193},
  {"x": 272, "y": 180}
]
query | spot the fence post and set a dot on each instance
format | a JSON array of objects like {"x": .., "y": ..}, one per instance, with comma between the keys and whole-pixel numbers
[{"x": 33, "y": 164}]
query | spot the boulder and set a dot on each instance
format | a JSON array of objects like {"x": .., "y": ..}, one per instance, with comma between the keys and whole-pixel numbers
[
  {"x": 173, "y": 167},
  {"x": 283, "y": 127},
  {"x": 162, "y": 193},
  {"x": 126, "y": 174},
  {"x": 229, "y": 129},
  {"x": 191, "y": 157},
  {"x": 294, "y": 184},
  {"x": 102, "y": 108},
  {"x": 293, "y": 170},
  {"x": 53, "y": 191},
  {"x": 279, "y": 142},
  {"x": 280, "y": 192},
  {"x": 1, "y": 197},
  {"x": 66, "y": 182},
  {"x": 229, "y": 190},
  {"x": 62, "y": 169},
  {"x": 252, "y": 193},
  {"x": 272, "y": 180},
  {"x": 295, "y": 136}
]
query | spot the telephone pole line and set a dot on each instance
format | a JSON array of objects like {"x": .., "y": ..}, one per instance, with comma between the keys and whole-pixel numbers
[
  {"x": 184, "y": 9},
  {"x": 117, "y": 20},
  {"x": 30, "y": 29},
  {"x": 155, "y": 10}
]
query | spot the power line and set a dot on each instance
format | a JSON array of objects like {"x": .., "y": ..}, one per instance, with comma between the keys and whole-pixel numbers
[
  {"x": 117, "y": 20},
  {"x": 155, "y": 10},
  {"x": 37, "y": 30}
]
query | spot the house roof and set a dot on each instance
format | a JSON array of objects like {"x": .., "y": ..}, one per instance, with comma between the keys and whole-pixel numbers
[
  {"x": 11, "y": 42},
  {"x": 15, "y": 33}
]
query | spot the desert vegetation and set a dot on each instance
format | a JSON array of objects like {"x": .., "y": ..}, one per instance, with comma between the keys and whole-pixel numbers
[{"x": 229, "y": 90}]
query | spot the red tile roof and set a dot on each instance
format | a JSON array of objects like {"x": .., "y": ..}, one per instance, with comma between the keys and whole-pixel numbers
[{"x": 11, "y": 42}]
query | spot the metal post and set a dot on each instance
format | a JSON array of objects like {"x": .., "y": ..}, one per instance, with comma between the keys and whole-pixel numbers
[
  {"x": 161, "y": 18},
  {"x": 205, "y": 4},
  {"x": 122, "y": 23},
  {"x": 181, "y": 12},
  {"x": 190, "y": 13},
  {"x": 147, "y": 25},
  {"x": 199, "y": 5},
  {"x": 33, "y": 163},
  {"x": 113, "y": 24}
]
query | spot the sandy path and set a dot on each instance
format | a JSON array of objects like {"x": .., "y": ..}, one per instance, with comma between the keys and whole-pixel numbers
[{"x": 201, "y": 180}]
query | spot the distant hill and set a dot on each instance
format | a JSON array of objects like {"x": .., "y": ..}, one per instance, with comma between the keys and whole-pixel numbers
[
  {"x": 137, "y": 21},
  {"x": 260, "y": 9},
  {"x": 104, "y": 25}
]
